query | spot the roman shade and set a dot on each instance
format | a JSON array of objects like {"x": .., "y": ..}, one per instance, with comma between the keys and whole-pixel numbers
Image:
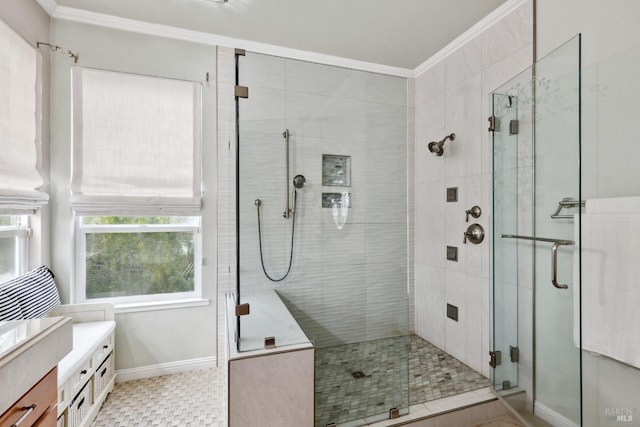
[
  {"x": 21, "y": 179},
  {"x": 136, "y": 144}
]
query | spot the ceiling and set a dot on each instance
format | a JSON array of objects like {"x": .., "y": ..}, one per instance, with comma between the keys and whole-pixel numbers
[{"x": 397, "y": 33}]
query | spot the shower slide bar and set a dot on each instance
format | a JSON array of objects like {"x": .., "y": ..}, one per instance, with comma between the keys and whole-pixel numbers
[
  {"x": 554, "y": 253},
  {"x": 567, "y": 202},
  {"x": 287, "y": 209}
]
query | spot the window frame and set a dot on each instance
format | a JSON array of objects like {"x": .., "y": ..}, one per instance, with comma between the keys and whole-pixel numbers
[
  {"x": 81, "y": 260},
  {"x": 22, "y": 232}
]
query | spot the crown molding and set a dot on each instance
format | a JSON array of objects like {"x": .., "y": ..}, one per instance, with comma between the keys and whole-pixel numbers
[
  {"x": 484, "y": 24},
  {"x": 159, "y": 30},
  {"x": 48, "y": 6}
]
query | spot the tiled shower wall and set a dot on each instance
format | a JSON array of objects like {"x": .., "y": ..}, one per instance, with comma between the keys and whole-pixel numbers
[
  {"x": 346, "y": 285},
  {"x": 453, "y": 96}
]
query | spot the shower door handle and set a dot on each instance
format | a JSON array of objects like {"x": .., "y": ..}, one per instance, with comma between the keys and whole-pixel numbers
[{"x": 554, "y": 264}]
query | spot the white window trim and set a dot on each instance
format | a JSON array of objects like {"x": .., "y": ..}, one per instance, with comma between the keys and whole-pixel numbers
[
  {"x": 23, "y": 232},
  {"x": 140, "y": 302}
]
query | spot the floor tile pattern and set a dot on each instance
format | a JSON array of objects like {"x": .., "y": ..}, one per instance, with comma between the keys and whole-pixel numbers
[
  {"x": 435, "y": 374},
  {"x": 196, "y": 399},
  {"x": 352, "y": 381},
  {"x": 357, "y": 380}
]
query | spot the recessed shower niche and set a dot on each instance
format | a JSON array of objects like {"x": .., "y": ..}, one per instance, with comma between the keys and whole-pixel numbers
[{"x": 336, "y": 170}]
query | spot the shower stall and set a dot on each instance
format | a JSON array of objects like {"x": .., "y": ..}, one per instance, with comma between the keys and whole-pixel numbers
[
  {"x": 322, "y": 224},
  {"x": 536, "y": 348}
]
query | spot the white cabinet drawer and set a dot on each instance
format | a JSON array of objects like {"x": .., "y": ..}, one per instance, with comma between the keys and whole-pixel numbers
[
  {"x": 102, "y": 352},
  {"x": 80, "y": 377},
  {"x": 80, "y": 405},
  {"x": 103, "y": 376}
]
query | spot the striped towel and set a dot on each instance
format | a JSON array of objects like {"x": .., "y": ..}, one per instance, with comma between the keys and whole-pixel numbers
[{"x": 29, "y": 296}]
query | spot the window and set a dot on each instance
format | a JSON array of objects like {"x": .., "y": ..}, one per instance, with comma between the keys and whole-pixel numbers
[
  {"x": 139, "y": 258},
  {"x": 136, "y": 187},
  {"x": 21, "y": 178},
  {"x": 14, "y": 233}
]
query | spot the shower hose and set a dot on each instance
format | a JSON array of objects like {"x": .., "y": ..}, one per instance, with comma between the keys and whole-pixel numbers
[{"x": 293, "y": 231}]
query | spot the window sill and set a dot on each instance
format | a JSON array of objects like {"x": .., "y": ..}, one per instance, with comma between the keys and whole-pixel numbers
[{"x": 160, "y": 305}]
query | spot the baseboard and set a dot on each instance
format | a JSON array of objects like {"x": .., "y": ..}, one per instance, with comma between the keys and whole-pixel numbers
[
  {"x": 180, "y": 366},
  {"x": 552, "y": 417}
]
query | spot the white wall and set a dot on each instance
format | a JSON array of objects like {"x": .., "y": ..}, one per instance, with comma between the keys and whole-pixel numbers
[
  {"x": 32, "y": 23},
  {"x": 453, "y": 96},
  {"x": 610, "y": 150},
  {"x": 147, "y": 338}
]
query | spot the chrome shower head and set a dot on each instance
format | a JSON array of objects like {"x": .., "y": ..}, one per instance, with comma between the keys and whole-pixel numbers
[{"x": 437, "y": 147}]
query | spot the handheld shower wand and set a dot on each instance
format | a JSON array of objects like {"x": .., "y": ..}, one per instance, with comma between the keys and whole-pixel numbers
[{"x": 298, "y": 183}]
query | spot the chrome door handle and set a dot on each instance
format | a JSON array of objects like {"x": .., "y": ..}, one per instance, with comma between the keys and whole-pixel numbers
[{"x": 554, "y": 265}]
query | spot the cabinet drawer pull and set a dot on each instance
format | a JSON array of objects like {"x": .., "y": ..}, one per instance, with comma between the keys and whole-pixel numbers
[
  {"x": 80, "y": 403},
  {"x": 29, "y": 410},
  {"x": 106, "y": 346},
  {"x": 83, "y": 372},
  {"x": 104, "y": 371}
]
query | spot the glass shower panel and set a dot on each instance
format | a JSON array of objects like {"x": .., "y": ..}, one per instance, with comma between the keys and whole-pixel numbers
[
  {"x": 536, "y": 144},
  {"x": 557, "y": 169},
  {"x": 333, "y": 259},
  {"x": 506, "y": 208}
]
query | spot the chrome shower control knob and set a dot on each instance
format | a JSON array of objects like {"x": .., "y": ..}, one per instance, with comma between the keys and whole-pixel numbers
[
  {"x": 474, "y": 212},
  {"x": 474, "y": 233}
]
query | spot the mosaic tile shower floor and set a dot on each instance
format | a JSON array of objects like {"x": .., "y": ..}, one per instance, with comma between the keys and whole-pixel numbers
[{"x": 356, "y": 380}]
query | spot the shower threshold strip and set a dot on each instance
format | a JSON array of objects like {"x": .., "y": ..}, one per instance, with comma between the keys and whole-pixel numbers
[{"x": 440, "y": 408}]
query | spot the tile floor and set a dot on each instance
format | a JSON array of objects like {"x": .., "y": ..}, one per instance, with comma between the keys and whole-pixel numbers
[
  {"x": 355, "y": 381},
  {"x": 198, "y": 398}
]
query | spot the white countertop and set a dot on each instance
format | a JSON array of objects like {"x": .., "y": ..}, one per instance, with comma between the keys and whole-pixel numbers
[{"x": 29, "y": 349}]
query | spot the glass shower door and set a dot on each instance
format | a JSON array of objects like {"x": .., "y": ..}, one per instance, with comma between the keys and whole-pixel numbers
[
  {"x": 536, "y": 145},
  {"x": 329, "y": 257}
]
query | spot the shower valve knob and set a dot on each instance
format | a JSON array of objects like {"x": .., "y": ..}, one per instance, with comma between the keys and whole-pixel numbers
[
  {"x": 474, "y": 233},
  {"x": 474, "y": 212}
]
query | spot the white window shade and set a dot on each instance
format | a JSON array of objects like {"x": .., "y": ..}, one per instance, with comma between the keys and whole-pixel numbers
[
  {"x": 21, "y": 180},
  {"x": 136, "y": 144}
]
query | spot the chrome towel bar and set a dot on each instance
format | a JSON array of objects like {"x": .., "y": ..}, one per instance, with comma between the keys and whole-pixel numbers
[{"x": 567, "y": 202}]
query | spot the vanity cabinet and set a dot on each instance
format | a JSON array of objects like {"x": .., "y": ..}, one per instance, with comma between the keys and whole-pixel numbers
[{"x": 37, "y": 407}]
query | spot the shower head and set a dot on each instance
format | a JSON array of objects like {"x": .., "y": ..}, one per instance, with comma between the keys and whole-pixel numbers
[
  {"x": 299, "y": 181},
  {"x": 437, "y": 147}
]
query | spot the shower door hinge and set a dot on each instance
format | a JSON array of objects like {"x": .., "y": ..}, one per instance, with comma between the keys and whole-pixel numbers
[
  {"x": 241, "y": 91},
  {"x": 513, "y": 127},
  {"x": 394, "y": 413},
  {"x": 494, "y": 124},
  {"x": 514, "y": 354},
  {"x": 242, "y": 309},
  {"x": 495, "y": 358}
]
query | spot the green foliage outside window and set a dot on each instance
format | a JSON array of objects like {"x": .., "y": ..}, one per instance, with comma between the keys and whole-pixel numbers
[{"x": 122, "y": 264}]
